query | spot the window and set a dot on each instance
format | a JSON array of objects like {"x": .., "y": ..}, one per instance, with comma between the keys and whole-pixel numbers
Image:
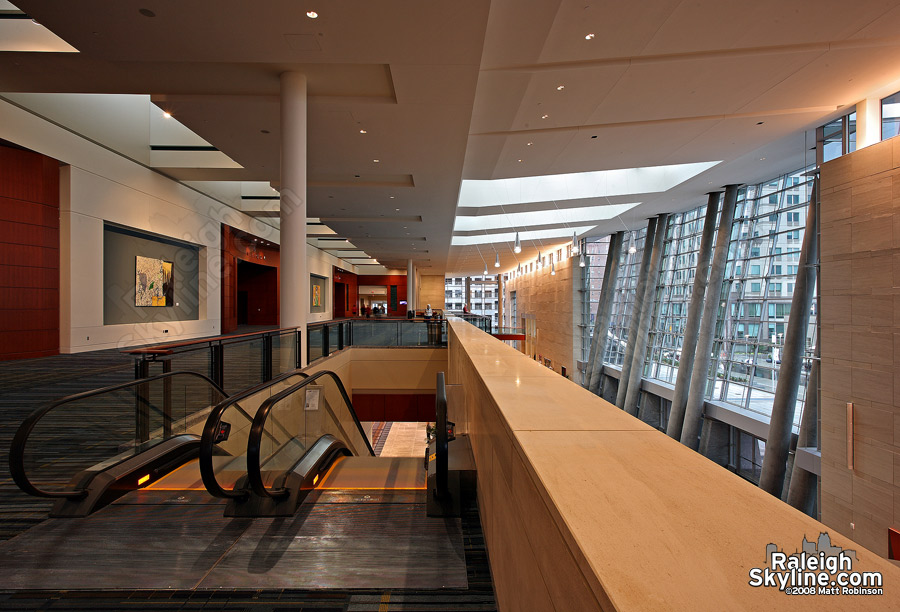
[{"x": 890, "y": 116}]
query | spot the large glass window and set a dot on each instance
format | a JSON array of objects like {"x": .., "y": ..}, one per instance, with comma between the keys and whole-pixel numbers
[
  {"x": 755, "y": 304},
  {"x": 623, "y": 298},
  {"x": 890, "y": 116}
]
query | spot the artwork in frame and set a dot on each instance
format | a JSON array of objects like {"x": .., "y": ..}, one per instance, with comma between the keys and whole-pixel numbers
[
  {"x": 153, "y": 282},
  {"x": 317, "y": 297}
]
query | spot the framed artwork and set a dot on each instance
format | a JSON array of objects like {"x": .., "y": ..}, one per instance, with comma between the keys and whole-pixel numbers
[
  {"x": 317, "y": 295},
  {"x": 153, "y": 282}
]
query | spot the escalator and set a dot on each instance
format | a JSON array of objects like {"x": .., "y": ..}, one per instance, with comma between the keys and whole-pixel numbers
[
  {"x": 273, "y": 488},
  {"x": 89, "y": 449}
]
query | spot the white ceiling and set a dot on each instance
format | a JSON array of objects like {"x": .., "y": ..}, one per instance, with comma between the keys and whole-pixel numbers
[{"x": 448, "y": 91}]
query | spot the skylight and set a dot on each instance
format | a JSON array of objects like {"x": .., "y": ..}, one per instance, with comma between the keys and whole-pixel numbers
[
  {"x": 563, "y": 232},
  {"x": 19, "y": 33},
  {"x": 580, "y": 215},
  {"x": 601, "y": 183}
]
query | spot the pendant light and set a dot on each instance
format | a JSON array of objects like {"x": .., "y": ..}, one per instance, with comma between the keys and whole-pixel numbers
[
  {"x": 581, "y": 261},
  {"x": 485, "y": 270},
  {"x": 518, "y": 246},
  {"x": 552, "y": 269},
  {"x": 631, "y": 247},
  {"x": 574, "y": 244},
  {"x": 497, "y": 260}
]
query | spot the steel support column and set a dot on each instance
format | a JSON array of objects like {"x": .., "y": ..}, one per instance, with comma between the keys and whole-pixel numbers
[
  {"x": 781, "y": 421},
  {"x": 692, "y": 324},
  {"x": 604, "y": 313},
  {"x": 690, "y": 434},
  {"x": 637, "y": 310},
  {"x": 633, "y": 388}
]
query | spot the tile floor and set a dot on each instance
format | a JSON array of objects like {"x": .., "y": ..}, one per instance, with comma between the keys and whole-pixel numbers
[{"x": 405, "y": 440}]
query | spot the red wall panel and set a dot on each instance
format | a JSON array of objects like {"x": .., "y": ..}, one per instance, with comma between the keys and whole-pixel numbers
[
  {"x": 241, "y": 245},
  {"x": 29, "y": 252},
  {"x": 408, "y": 407}
]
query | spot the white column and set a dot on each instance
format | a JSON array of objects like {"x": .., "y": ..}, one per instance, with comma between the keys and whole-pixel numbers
[
  {"x": 410, "y": 285},
  {"x": 294, "y": 275},
  {"x": 868, "y": 122}
]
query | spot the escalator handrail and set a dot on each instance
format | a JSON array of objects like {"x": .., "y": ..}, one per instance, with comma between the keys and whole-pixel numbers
[
  {"x": 207, "y": 437},
  {"x": 254, "y": 443},
  {"x": 20, "y": 440}
]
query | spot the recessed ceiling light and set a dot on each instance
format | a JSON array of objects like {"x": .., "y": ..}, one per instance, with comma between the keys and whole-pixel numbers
[
  {"x": 376, "y": 160},
  {"x": 520, "y": 161},
  {"x": 397, "y": 209},
  {"x": 560, "y": 87},
  {"x": 312, "y": 14},
  {"x": 544, "y": 116},
  {"x": 529, "y": 144},
  {"x": 146, "y": 12},
  {"x": 391, "y": 197},
  {"x": 762, "y": 159},
  {"x": 362, "y": 132},
  {"x": 167, "y": 114},
  {"x": 264, "y": 131},
  {"x": 589, "y": 36}
]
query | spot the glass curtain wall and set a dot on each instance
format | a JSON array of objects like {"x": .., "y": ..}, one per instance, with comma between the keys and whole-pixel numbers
[
  {"x": 623, "y": 299},
  {"x": 595, "y": 253},
  {"x": 754, "y": 310}
]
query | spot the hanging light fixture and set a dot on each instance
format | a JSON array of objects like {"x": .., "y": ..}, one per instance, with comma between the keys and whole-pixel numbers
[
  {"x": 497, "y": 260},
  {"x": 485, "y": 270},
  {"x": 552, "y": 269},
  {"x": 574, "y": 244},
  {"x": 581, "y": 261},
  {"x": 518, "y": 246},
  {"x": 538, "y": 263},
  {"x": 631, "y": 247}
]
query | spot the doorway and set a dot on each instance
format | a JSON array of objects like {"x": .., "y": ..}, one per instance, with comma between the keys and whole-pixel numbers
[{"x": 257, "y": 294}]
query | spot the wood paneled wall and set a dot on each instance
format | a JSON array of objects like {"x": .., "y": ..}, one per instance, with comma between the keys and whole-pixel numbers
[
  {"x": 29, "y": 254},
  {"x": 860, "y": 319},
  {"x": 241, "y": 245}
]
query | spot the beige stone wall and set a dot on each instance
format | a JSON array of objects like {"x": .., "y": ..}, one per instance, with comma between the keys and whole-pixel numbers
[
  {"x": 431, "y": 291},
  {"x": 860, "y": 318},
  {"x": 586, "y": 508},
  {"x": 554, "y": 301}
]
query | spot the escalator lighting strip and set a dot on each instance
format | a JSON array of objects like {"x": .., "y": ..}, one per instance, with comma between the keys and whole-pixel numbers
[{"x": 143, "y": 479}]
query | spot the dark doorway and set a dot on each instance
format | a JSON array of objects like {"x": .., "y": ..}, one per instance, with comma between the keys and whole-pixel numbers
[
  {"x": 257, "y": 294},
  {"x": 242, "y": 307},
  {"x": 340, "y": 300}
]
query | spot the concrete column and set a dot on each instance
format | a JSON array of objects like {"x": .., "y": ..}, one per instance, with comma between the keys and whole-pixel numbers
[
  {"x": 693, "y": 412},
  {"x": 780, "y": 423},
  {"x": 802, "y": 490},
  {"x": 294, "y": 275},
  {"x": 468, "y": 296},
  {"x": 868, "y": 122},
  {"x": 604, "y": 313},
  {"x": 410, "y": 285},
  {"x": 715, "y": 441},
  {"x": 499, "y": 300},
  {"x": 636, "y": 312},
  {"x": 692, "y": 324},
  {"x": 633, "y": 389}
]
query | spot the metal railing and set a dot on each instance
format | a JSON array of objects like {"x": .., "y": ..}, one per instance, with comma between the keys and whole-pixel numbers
[
  {"x": 330, "y": 336},
  {"x": 98, "y": 429},
  {"x": 235, "y": 362}
]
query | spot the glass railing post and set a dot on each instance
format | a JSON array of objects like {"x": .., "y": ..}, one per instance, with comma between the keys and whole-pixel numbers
[
  {"x": 341, "y": 336},
  {"x": 326, "y": 338},
  {"x": 167, "y": 399},
  {"x": 399, "y": 334},
  {"x": 217, "y": 363},
  {"x": 267, "y": 358},
  {"x": 298, "y": 352}
]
